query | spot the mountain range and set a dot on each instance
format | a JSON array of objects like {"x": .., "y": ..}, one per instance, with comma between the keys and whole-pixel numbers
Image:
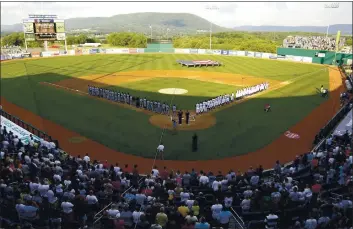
[{"x": 171, "y": 23}]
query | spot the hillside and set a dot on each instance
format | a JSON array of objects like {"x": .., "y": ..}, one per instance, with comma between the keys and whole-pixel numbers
[
  {"x": 178, "y": 23},
  {"x": 346, "y": 29}
]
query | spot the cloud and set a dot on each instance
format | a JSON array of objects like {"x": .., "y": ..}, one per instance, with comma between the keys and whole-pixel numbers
[{"x": 230, "y": 14}]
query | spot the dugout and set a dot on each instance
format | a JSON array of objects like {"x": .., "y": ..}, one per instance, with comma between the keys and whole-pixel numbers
[{"x": 159, "y": 46}]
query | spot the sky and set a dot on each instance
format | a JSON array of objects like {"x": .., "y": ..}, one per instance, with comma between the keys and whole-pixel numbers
[{"x": 228, "y": 14}]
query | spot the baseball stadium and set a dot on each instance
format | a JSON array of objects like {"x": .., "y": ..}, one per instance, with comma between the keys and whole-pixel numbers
[{"x": 165, "y": 108}]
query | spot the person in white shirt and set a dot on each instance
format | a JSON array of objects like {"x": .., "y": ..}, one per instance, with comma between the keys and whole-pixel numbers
[
  {"x": 184, "y": 196},
  {"x": 190, "y": 203},
  {"x": 113, "y": 212},
  {"x": 67, "y": 207},
  {"x": 245, "y": 204},
  {"x": 160, "y": 148},
  {"x": 203, "y": 180},
  {"x": 86, "y": 158},
  {"x": 310, "y": 223},
  {"x": 216, "y": 185},
  {"x": 254, "y": 180},
  {"x": 271, "y": 221},
  {"x": 228, "y": 201},
  {"x": 216, "y": 210},
  {"x": 43, "y": 189},
  {"x": 136, "y": 215},
  {"x": 91, "y": 199},
  {"x": 155, "y": 172}
]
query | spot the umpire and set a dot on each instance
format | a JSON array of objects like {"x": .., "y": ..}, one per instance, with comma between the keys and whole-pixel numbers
[{"x": 187, "y": 115}]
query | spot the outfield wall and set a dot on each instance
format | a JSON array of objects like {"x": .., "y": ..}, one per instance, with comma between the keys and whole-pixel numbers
[
  {"x": 318, "y": 56},
  {"x": 286, "y": 54}
]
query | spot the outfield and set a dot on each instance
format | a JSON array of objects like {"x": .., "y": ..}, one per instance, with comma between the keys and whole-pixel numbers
[{"x": 238, "y": 129}]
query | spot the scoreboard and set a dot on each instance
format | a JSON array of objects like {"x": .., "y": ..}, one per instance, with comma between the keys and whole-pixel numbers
[{"x": 44, "y": 28}]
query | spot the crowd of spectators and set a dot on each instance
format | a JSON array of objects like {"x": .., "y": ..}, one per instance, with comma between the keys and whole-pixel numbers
[
  {"x": 43, "y": 187},
  {"x": 312, "y": 42}
]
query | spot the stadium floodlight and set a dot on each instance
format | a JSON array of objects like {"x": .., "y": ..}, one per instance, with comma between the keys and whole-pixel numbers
[
  {"x": 212, "y": 8},
  {"x": 151, "y": 32},
  {"x": 334, "y": 5}
]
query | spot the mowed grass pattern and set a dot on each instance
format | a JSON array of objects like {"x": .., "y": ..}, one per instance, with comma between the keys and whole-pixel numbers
[
  {"x": 198, "y": 91},
  {"x": 240, "y": 129}
]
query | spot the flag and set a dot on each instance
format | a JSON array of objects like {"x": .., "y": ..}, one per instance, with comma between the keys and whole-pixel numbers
[{"x": 338, "y": 39}]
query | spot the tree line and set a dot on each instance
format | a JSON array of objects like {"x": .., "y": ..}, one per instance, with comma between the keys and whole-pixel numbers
[{"x": 254, "y": 41}]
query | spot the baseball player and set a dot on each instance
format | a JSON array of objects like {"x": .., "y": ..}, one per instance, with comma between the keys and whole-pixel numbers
[
  {"x": 145, "y": 103},
  {"x": 141, "y": 102},
  {"x": 159, "y": 107},
  {"x": 155, "y": 106},
  {"x": 197, "y": 109},
  {"x": 174, "y": 109},
  {"x": 163, "y": 108},
  {"x": 167, "y": 109}
]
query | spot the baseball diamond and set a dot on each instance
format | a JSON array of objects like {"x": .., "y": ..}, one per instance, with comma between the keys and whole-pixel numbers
[{"x": 62, "y": 97}]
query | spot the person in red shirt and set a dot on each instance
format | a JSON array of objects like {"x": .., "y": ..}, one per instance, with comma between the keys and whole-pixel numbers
[{"x": 267, "y": 107}]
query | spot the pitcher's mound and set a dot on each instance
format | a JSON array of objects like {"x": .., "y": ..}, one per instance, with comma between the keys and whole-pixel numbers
[{"x": 200, "y": 122}]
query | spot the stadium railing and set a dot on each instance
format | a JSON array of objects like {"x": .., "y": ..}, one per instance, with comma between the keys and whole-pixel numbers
[{"x": 35, "y": 131}]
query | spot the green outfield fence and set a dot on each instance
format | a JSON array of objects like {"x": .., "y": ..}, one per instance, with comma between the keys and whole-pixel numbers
[
  {"x": 318, "y": 56},
  {"x": 159, "y": 45}
]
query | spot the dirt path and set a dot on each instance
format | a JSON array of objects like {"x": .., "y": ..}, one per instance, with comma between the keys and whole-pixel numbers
[{"x": 282, "y": 148}]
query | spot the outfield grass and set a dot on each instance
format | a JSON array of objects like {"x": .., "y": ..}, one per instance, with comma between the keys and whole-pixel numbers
[
  {"x": 198, "y": 91},
  {"x": 240, "y": 129}
]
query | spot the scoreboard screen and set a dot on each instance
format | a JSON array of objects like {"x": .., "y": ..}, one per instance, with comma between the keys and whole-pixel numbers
[{"x": 44, "y": 29}]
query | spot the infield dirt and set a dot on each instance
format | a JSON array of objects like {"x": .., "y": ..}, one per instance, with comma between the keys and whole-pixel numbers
[{"x": 283, "y": 148}]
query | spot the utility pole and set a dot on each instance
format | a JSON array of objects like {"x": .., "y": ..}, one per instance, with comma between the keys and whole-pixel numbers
[{"x": 211, "y": 8}]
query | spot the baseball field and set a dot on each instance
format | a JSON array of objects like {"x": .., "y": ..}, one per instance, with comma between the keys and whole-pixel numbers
[{"x": 52, "y": 94}]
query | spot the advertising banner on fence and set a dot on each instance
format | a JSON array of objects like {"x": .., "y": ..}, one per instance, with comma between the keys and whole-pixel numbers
[
  {"x": 46, "y": 54},
  {"x": 250, "y": 54},
  {"x": 281, "y": 57},
  {"x": 140, "y": 50},
  {"x": 5, "y": 57},
  {"x": 112, "y": 51},
  {"x": 258, "y": 54},
  {"x": 35, "y": 54},
  {"x": 78, "y": 51},
  {"x": 202, "y": 51},
  {"x": 209, "y": 51},
  {"x": 217, "y": 52},
  {"x": 124, "y": 50},
  {"x": 193, "y": 51},
  {"x": 225, "y": 52},
  {"x": 265, "y": 55},
  {"x": 241, "y": 53},
  {"x": 232, "y": 52},
  {"x": 344, "y": 125},
  {"x": 71, "y": 52},
  {"x": 186, "y": 51},
  {"x": 22, "y": 134},
  {"x": 273, "y": 56},
  {"x": 85, "y": 51},
  {"x": 178, "y": 50},
  {"x": 102, "y": 51},
  {"x": 93, "y": 51},
  {"x": 132, "y": 51}
]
